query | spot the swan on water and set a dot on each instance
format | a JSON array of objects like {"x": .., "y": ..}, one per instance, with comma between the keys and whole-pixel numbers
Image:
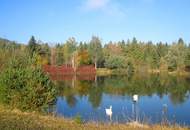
[
  {"x": 109, "y": 112},
  {"x": 135, "y": 98}
]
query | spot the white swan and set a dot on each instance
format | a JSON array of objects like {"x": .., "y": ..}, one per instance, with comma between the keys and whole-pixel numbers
[
  {"x": 109, "y": 112},
  {"x": 135, "y": 98}
]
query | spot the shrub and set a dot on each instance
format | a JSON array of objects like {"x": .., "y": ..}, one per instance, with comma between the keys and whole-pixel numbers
[
  {"x": 23, "y": 84},
  {"x": 114, "y": 62},
  {"x": 119, "y": 63}
]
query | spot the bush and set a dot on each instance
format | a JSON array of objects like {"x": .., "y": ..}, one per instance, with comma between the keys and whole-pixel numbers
[
  {"x": 115, "y": 61},
  {"x": 23, "y": 84},
  {"x": 120, "y": 64}
]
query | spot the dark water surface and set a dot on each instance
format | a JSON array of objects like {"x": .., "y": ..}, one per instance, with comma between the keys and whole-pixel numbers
[{"x": 161, "y": 99}]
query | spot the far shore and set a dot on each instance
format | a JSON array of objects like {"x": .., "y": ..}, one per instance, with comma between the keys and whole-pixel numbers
[{"x": 106, "y": 72}]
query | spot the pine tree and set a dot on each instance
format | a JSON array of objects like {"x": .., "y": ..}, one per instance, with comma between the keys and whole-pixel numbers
[{"x": 32, "y": 46}]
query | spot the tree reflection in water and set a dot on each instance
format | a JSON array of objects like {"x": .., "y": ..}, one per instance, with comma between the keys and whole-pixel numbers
[{"x": 176, "y": 87}]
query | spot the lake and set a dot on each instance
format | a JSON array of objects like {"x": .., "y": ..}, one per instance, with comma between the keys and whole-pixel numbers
[{"x": 161, "y": 98}]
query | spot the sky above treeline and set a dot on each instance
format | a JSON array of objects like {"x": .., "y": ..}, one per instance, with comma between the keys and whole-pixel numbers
[{"x": 57, "y": 20}]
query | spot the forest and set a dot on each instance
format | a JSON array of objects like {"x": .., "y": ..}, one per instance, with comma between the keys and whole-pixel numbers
[{"x": 132, "y": 55}]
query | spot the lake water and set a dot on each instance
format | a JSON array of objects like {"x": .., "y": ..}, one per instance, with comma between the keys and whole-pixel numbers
[{"x": 160, "y": 99}]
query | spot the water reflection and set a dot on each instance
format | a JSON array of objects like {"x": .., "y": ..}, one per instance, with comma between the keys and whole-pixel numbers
[
  {"x": 89, "y": 98},
  {"x": 164, "y": 114}
]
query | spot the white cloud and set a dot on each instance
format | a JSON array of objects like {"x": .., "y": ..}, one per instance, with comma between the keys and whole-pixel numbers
[
  {"x": 108, "y": 7},
  {"x": 96, "y": 4}
]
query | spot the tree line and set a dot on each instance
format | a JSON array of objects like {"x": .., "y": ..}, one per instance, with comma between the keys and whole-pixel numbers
[{"x": 132, "y": 55}]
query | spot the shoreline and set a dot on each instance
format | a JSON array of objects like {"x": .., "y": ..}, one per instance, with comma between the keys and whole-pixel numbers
[
  {"x": 15, "y": 119},
  {"x": 106, "y": 72}
]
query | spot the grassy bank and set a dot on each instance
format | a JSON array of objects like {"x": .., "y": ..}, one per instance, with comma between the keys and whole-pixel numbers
[
  {"x": 105, "y": 72},
  {"x": 15, "y": 119}
]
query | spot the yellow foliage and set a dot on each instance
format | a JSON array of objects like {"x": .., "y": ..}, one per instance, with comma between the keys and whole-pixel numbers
[
  {"x": 83, "y": 57},
  {"x": 42, "y": 60}
]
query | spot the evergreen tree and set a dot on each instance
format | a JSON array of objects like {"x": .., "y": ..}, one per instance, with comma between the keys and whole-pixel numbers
[{"x": 32, "y": 46}]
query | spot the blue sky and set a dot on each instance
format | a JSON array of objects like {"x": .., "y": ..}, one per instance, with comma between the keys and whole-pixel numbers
[{"x": 57, "y": 20}]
